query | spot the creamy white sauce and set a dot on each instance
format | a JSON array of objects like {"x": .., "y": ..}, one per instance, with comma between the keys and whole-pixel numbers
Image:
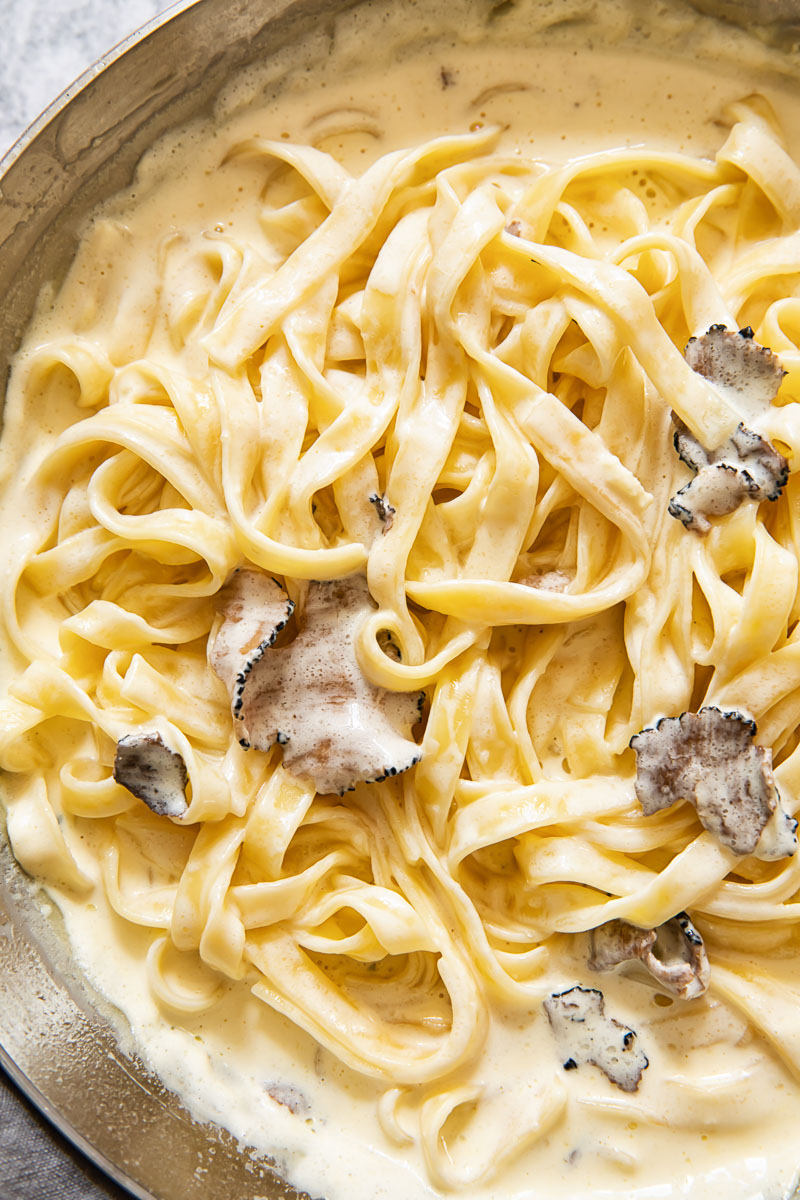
[{"x": 556, "y": 100}]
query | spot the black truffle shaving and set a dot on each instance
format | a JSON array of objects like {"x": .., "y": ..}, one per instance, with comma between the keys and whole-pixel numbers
[
  {"x": 746, "y": 466},
  {"x": 289, "y": 1096},
  {"x": 336, "y": 728},
  {"x": 145, "y": 765},
  {"x": 584, "y": 1034},
  {"x": 673, "y": 953},
  {"x": 386, "y": 512},
  {"x": 736, "y": 360},
  {"x": 254, "y": 609},
  {"x": 709, "y": 759}
]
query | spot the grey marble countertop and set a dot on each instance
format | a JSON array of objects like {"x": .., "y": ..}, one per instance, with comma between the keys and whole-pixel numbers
[{"x": 46, "y": 44}]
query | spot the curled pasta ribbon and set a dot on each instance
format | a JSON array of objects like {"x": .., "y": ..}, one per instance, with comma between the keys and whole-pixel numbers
[
  {"x": 37, "y": 840},
  {"x": 86, "y": 791},
  {"x": 388, "y": 1116},
  {"x": 172, "y": 990},
  {"x": 85, "y": 361},
  {"x": 294, "y": 986},
  {"x": 529, "y": 1115},
  {"x": 455, "y": 374}
]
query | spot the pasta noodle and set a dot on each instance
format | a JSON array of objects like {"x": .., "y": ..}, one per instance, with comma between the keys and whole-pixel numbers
[{"x": 494, "y": 345}]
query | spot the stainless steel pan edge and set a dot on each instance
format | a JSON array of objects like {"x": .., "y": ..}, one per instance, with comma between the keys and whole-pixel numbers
[
  {"x": 85, "y": 147},
  {"x": 59, "y": 1040},
  {"x": 68, "y": 1051}
]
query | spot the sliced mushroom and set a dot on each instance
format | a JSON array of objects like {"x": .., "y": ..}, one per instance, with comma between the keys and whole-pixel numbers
[
  {"x": 584, "y": 1034},
  {"x": 336, "y": 728},
  {"x": 674, "y": 953},
  {"x": 151, "y": 771},
  {"x": 709, "y": 758},
  {"x": 254, "y": 609},
  {"x": 386, "y": 511},
  {"x": 746, "y": 466}
]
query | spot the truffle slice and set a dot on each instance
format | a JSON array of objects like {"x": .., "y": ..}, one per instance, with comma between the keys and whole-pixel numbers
[
  {"x": 746, "y": 466},
  {"x": 674, "y": 953},
  {"x": 709, "y": 759},
  {"x": 737, "y": 363},
  {"x": 289, "y": 1096},
  {"x": 584, "y": 1034},
  {"x": 336, "y": 728},
  {"x": 254, "y": 610},
  {"x": 145, "y": 765},
  {"x": 386, "y": 511}
]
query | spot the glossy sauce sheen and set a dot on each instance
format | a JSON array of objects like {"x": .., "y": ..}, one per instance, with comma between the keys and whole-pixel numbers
[{"x": 252, "y": 1070}]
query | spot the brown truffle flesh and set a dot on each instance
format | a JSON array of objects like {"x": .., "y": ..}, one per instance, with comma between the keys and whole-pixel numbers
[
  {"x": 254, "y": 609},
  {"x": 746, "y": 466},
  {"x": 151, "y": 771},
  {"x": 336, "y": 728},
  {"x": 674, "y": 953},
  {"x": 709, "y": 759},
  {"x": 289, "y": 1096},
  {"x": 735, "y": 362},
  {"x": 585, "y": 1034},
  {"x": 384, "y": 510}
]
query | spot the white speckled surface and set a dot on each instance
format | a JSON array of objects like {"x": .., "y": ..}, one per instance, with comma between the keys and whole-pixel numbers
[{"x": 46, "y": 44}]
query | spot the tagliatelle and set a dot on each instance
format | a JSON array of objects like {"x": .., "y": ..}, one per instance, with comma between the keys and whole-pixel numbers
[{"x": 495, "y": 346}]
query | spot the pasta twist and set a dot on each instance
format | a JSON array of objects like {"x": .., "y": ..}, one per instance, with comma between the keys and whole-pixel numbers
[{"x": 495, "y": 347}]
